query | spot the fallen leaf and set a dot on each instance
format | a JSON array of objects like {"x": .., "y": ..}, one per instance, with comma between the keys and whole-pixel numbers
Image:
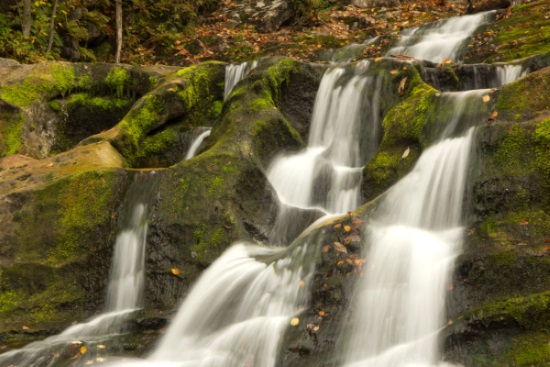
[
  {"x": 300, "y": 284},
  {"x": 401, "y": 88},
  {"x": 437, "y": 94},
  {"x": 25, "y": 328},
  {"x": 83, "y": 349},
  {"x": 523, "y": 223},
  {"x": 394, "y": 72},
  {"x": 486, "y": 98},
  {"x": 447, "y": 62},
  {"x": 378, "y": 59},
  {"x": 295, "y": 321},
  {"x": 338, "y": 225},
  {"x": 338, "y": 246},
  {"x": 326, "y": 248},
  {"x": 406, "y": 153},
  {"x": 494, "y": 114},
  {"x": 101, "y": 346},
  {"x": 322, "y": 313},
  {"x": 176, "y": 271},
  {"x": 347, "y": 228}
]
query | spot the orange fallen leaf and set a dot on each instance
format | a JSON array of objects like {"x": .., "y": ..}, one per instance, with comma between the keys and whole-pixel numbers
[
  {"x": 175, "y": 271},
  {"x": 83, "y": 349},
  {"x": 347, "y": 228},
  {"x": 326, "y": 248},
  {"x": 322, "y": 313},
  {"x": 494, "y": 114}
]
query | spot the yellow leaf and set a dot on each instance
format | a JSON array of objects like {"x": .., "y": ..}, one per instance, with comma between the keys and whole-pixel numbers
[
  {"x": 295, "y": 321},
  {"x": 523, "y": 223},
  {"x": 83, "y": 349},
  {"x": 393, "y": 72},
  {"x": 437, "y": 94},
  {"x": 347, "y": 228},
  {"x": 486, "y": 98},
  {"x": 25, "y": 328},
  {"x": 404, "y": 67},
  {"x": 338, "y": 246},
  {"x": 101, "y": 346},
  {"x": 319, "y": 46},
  {"x": 447, "y": 62},
  {"x": 176, "y": 271},
  {"x": 377, "y": 59},
  {"x": 406, "y": 153},
  {"x": 401, "y": 88}
]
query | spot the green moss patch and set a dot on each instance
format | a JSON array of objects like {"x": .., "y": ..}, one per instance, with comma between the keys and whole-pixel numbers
[{"x": 44, "y": 81}]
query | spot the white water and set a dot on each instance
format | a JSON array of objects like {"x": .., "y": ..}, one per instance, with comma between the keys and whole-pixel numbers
[
  {"x": 509, "y": 73},
  {"x": 440, "y": 40},
  {"x": 234, "y": 74},
  {"x": 326, "y": 176},
  {"x": 414, "y": 237},
  {"x": 124, "y": 296},
  {"x": 197, "y": 142},
  {"x": 237, "y": 311}
]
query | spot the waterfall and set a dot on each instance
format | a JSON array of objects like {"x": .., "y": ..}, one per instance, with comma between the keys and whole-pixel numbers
[
  {"x": 509, "y": 73},
  {"x": 440, "y": 40},
  {"x": 413, "y": 237},
  {"x": 234, "y": 74},
  {"x": 124, "y": 295},
  {"x": 326, "y": 176},
  {"x": 238, "y": 310},
  {"x": 196, "y": 143}
]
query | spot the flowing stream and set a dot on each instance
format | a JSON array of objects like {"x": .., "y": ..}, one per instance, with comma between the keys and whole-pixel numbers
[
  {"x": 344, "y": 134},
  {"x": 124, "y": 294},
  {"x": 441, "y": 40},
  {"x": 234, "y": 74},
  {"x": 197, "y": 143}
]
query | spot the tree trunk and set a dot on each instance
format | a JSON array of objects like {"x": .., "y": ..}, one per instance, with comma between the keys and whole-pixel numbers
[
  {"x": 118, "y": 30},
  {"x": 52, "y": 26},
  {"x": 27, "y": 18}
]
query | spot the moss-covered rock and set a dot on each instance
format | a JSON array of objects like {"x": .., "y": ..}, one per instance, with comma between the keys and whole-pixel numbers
[
  {"x": 48, "y": 108},
  {"x": 523, "y": 32},
  {"x": 403, "y": 129},
  {"x": 156, "y": 123}
]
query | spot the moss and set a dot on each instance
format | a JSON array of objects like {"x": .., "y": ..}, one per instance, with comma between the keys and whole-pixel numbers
[
  {"x": 118, "y": 80},
  {"x": 529, "y": 312},
  {"x": 9, "y": 301},
  {"x": 542, "y": 149},
  {"x": 44, "y": 82},
  {"x": 55, "y": 105},
  {"x": 529, "y": 350},
  {"x": 406, "y": 121},
  {"x": 84, "y": 82},
  {"x": 216, "y": 109},
  {"x": 13, "y": 134},
  {"x": 517, "y": 100},
  {"x": 513, "y": 152}
]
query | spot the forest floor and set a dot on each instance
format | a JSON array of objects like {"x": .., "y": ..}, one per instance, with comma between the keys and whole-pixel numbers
[{"x": 218, "y": 37}]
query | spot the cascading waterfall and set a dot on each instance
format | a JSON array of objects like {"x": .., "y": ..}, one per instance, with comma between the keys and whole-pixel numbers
[
  {"x": 440, "y": 40},
  {"x": 234, "y": 74},
  {"x": 196, "y": 143},
  {"x": 509, "y": 73},
  {"x": 413, "y": 239},
  {"x": 124, "y": 295},
  {"x": 326, "y": 176},
  {"x": 238, "y": 310}
]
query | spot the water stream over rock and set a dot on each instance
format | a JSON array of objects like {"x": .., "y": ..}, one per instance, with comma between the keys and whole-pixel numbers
[{"x": 124, "y": 294}]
